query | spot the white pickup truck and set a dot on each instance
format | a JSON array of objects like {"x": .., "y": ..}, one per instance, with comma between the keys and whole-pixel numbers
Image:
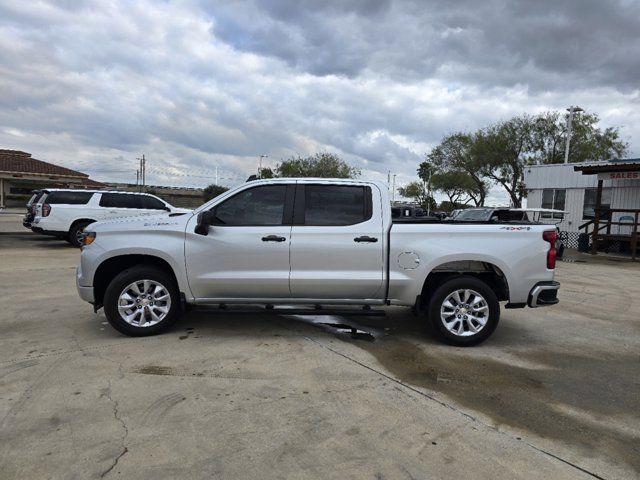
[{"x": 316, "y": 242}]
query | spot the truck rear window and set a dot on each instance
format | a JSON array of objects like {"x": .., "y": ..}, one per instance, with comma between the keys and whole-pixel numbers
[
  {"x": 68, "y": 198},
  {"x": 336, "y": 205}
]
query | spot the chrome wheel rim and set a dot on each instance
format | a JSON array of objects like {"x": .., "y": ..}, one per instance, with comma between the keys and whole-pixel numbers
[
  {"x": 144, "y": 303},
  {"x": 464, "y": 312}
]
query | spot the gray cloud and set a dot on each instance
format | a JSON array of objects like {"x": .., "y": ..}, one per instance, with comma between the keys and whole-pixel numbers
[
  {"x": 590, "y": 42},
  {"x": 202, "y": 85}
]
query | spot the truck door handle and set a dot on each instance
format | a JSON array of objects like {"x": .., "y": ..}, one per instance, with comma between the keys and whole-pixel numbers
[
  {"x": 364, "y": 238},
  {"x": 273, "y": 238}
]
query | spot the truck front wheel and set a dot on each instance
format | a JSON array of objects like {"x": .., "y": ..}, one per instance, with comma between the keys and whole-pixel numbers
[
  {"x": 141, "y": 301},
  {"x": 464, "y": 311}
]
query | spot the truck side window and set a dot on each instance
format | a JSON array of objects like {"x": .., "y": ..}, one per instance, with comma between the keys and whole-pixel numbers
[
  {"x": 336, "y": 205},
  {"x": 255, "y": 206}
]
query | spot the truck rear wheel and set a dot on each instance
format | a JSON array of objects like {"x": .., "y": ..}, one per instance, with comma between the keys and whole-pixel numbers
[
  {"x": 464, "y": 311},
  {"x": 142, "y": 301}
]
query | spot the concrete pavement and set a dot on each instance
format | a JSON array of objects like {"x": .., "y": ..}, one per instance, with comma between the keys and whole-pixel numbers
[{"x": 555, "y": 393}]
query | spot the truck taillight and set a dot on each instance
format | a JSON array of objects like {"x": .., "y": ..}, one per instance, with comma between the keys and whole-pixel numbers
[
  {"x": 46, "y": 210},
  {"x": 551, "y": 236}
]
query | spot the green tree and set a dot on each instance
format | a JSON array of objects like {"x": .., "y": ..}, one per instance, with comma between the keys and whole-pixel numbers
[
  {"x": 459, "y": 187},
  {"x": 324, "y": 165},
  {"x": 418, "y": 192},
  {"x": 505, "y": 148},
  {"x": 267, "y": 173},
  {"x": 499, "y": 153},
  {"x": 502, "y": 150},
  {"x": 588, "y": 141},
  {"x": 212, "y": 191},
  {"x": 455, "y": 153}
]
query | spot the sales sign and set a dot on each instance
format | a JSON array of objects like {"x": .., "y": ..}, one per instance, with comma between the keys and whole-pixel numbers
[{"x": 619, "y": 176}]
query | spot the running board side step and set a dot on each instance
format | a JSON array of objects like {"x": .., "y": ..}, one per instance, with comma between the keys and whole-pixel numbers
[{"x": 270, "y": 310}]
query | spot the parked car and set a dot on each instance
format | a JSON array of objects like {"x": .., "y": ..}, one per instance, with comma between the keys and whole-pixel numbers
[
  {"x": 454, "y": 213},
  {"x": 65, "y": 213},
  {"x": 491, "y": 214},
  {"x": 31, "y": 208},
  {"x": 319, "y": 242}
]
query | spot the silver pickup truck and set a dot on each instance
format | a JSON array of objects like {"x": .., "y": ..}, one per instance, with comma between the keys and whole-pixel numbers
[{"x": 316, "y": 242}]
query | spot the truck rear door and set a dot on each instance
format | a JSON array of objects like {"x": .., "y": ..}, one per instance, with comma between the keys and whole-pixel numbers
[{"x": 336, "y": 242}]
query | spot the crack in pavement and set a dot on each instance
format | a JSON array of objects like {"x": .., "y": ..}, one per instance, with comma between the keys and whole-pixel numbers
[{"x": 107, "y": 393}]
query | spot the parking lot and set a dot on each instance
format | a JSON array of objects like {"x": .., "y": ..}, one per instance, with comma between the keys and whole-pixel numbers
[{"x": 554, "y": 393}]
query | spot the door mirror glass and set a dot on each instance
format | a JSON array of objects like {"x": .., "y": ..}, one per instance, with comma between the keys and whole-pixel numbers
[{"x": 205, "y": 219}]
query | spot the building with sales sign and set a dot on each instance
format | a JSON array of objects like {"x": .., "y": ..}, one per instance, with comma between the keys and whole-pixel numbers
[{"x": 602, "y": 199}]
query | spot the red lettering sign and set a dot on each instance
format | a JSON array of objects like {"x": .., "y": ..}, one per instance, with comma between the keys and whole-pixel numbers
[{"x": 624, "y": 175}]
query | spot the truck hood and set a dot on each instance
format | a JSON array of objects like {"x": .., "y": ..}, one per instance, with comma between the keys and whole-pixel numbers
[{"x": 163, "y": 221}]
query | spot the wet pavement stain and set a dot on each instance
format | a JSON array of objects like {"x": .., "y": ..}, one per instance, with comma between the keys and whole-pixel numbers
[{"x": 529, "y": 399}]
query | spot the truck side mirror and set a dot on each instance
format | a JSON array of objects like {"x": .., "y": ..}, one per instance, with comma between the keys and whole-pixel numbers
[{"x": 204, "y": 220}]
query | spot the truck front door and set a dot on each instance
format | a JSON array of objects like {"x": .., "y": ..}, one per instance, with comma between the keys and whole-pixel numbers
[
  {"x": 246, "y": 251},
  {"x": 336, "y": 242}
]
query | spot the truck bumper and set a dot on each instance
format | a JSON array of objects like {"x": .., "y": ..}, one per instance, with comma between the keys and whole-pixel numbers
[
  {"x": 86, "y": 293},
  {"x": 544, "y": 294}
]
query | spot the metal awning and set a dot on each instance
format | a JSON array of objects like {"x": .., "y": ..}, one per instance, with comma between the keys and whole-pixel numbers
[{"x": 622, "y": 165}]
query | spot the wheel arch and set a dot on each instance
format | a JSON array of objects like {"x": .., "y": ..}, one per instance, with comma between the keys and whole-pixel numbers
[
  {"x": 112, "y": 266},
  {"x": 80, "y": 220},
  {"x": 485, "y": 271}
]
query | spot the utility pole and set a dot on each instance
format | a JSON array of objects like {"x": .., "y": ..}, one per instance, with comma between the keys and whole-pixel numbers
[
  {"x": 388, "y": 178},
  {"x": 142, "y": 173},
  {"x": 216, "y": 174},
  {"x": 429, "y": 193},
  {"x": 137, "y": 177},
  {"x": 260, "y": 165},
  {"x": 393, "y": 189},
  {"x": 569, "y": 120}
]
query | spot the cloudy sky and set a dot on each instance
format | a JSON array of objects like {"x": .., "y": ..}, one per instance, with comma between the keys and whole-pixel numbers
[{"x": 196, "y": 85}]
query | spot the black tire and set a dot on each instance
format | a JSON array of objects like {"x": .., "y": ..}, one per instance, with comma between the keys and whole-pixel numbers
[
  {"x": 75, "y": 233},
  {"x": 129, "y": 276},
  {"x": 460, "y": 321}
]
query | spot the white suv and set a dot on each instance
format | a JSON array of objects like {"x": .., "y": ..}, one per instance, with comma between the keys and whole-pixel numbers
[{"x": 65, "y": 213}]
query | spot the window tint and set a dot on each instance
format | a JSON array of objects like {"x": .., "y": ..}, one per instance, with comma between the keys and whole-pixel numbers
[
  {"x": 336, "y": 205},
  {"x": 120, "y": 200},
  {"x": 256, "y": 206},
  {"x": 68, "y": 198},
  {"x": 151, "y": 203},
  {"x": 589, "y": 206}
]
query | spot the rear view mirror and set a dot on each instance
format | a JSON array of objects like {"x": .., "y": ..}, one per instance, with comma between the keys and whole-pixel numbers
[{"x": 204, "y": 220}]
